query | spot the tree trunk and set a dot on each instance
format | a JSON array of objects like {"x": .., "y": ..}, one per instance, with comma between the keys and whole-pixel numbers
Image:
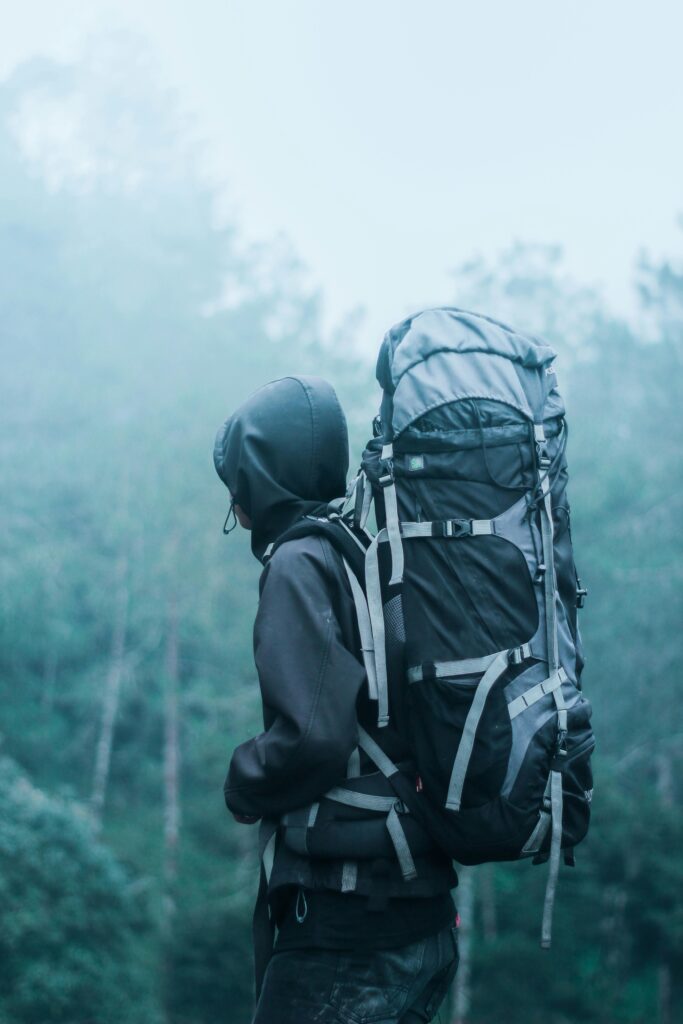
[
  {"x": 112, "y": 692},
  {"x": 664, "y": 993},
  {"x": 171, "y": 760},
  {"x": 665, "y": 792},
  {"x": 462, "y": 993},
  {"x": 49, "y": 677}
]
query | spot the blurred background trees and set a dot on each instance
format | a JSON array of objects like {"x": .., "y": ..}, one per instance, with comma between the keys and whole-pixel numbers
[{"x": 132, "y": 323}]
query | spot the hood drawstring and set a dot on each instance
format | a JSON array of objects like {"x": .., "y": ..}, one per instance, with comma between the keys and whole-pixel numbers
[{"x": 231, "y": 512}]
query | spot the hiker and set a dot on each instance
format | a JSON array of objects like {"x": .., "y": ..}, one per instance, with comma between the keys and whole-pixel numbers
[{"x": 365, "y": 931}]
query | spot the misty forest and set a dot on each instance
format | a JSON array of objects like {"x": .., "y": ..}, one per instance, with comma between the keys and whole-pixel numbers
[{"x": 134, "y": 318}]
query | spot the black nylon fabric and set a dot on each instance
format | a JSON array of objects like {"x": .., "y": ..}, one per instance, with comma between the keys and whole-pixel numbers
[{"x": 284, "y": 454}]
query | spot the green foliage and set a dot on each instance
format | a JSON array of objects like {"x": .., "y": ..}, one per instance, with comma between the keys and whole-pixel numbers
[{"x": 72, "y": 941}]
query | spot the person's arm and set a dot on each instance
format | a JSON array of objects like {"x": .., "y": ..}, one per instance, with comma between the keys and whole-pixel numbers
[{"x": 309, "y": 684}]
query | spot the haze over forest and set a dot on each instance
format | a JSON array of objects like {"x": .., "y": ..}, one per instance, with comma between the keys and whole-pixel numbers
[{"x": 135, "y": 315}]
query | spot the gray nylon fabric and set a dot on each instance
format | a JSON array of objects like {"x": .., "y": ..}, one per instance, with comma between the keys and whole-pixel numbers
[
  {"x": 353, "y": 769},
  {"x": 452, "y": 376},
  {"x": 373, "y": 589},
  {"x": 364, "y": 801},
  {"x": 365, "y": 631},
  {"x": 442, "y": 355},
  {"x": 466, "y": 745},
  {"x": 554, "y": 862},
  {"x": 458, "y": 330},
  {"x": 401, "y": 847},
  {"x": 268, "y": 855},
  {"x": 536, "y": 693},
  {"x": 376, "y": 754},
  {"x": 349, "y": 876},
  {"x": 525, "y": 727},
  {"x": 392, "y": 525},
  {"x": 367, "y": 504},
  {"x": 462, "y": 667},
  {"x": 535, "y": 840}
]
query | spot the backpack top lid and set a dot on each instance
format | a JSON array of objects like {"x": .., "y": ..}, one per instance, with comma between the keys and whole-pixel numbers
[{"x": 444, "y": 355}]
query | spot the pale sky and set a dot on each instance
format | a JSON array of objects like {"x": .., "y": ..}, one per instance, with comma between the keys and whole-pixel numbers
[{"x": 391, "y": 141}]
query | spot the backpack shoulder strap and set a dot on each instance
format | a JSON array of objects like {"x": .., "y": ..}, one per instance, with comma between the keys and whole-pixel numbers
[{"x": 349, "y": 542}]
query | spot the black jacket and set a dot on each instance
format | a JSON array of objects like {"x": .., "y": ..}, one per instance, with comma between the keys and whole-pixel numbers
[{"x": 274, "y": 454}]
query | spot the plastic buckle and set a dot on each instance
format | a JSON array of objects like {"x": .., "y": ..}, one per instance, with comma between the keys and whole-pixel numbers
[
  {"x": 581, "y": 594},
  {"x": 542, "y": 456},
  {"x": 540, "y": 573},
  {"x": 560, "y": 748},
  {"x": 516, "y": 656},
  {"x": 459, "y": 527},
  {"x": 387, "y": 478}
]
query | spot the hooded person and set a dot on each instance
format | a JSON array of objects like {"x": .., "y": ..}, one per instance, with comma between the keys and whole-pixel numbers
[{"x": 352, "y": 937}]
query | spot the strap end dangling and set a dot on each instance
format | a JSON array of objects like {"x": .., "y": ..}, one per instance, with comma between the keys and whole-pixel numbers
[{"x": 231, "y": 512}]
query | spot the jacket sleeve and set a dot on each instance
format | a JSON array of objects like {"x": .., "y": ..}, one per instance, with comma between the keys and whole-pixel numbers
[{"x": 309, "y": 682}]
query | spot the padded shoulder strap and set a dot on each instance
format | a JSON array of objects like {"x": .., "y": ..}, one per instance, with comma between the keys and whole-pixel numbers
[{"x": 348, "y": 542}]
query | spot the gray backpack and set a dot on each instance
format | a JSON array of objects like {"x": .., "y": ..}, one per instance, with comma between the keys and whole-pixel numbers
[{"x": 468, "y": 611}]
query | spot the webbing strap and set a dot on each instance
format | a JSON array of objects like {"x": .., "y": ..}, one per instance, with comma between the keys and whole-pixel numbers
[
  {"x": 364, "y": 629},
  {"x": 367, "y": 502},
  {"x": 400, "y": 843},
  {"x": 268, "y": 855},
  {"x": 364, "y": 801},
  {"x": 376, "y": 754},
  {"x": 353, "y": 766},
  {"x": 547, "y": 539},
  {"x": 392, "y": 521},
  {"x": 556, "y": 810},
  {"x": 349, "y": 876},
  {"x": 535, "y": 840},
  {"x": 376, "y": 612},
  {"x": 447, "y": 528},
  {"x": 554, "y": 863},
  {"x": 464, "y": 666},
  {"x": 263, "y": 927},
  {"x": 466, "y": 745},
  {"x": 351, "y": 534},
  {"x": 525, "y": 700}
]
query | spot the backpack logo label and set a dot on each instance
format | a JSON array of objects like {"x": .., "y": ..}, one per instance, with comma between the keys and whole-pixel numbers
[{"x": 415, "y": 463}]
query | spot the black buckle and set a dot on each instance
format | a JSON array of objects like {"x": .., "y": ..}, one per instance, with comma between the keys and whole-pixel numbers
[
  {"x": 452, "y": 528},
  {"x": 581, "y": 594},
  {"x": 458, "y": 527},
  {"x": 540, "y": 573}
]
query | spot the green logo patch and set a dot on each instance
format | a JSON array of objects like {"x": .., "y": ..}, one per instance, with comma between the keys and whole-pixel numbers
[{"x": 416, "y": 462}]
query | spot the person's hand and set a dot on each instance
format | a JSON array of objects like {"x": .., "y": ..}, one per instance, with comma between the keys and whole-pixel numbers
[{"x": 245, "y": 819}]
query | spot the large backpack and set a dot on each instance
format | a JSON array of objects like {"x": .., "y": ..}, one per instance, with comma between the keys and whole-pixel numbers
[{"x": 472, "y": 591}]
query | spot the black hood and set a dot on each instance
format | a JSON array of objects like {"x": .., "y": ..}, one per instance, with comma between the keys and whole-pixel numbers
[{"x": 284, "y": 454}]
